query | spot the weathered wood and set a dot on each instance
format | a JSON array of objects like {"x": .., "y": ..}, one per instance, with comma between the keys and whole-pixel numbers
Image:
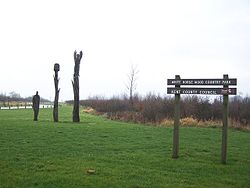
[
  {"x": 225, "y": 125},
  {"x": 225, "y": 91},
  {"x": 176, "y": 123},
  {"x": 56, "y": 81},
  {"x": 75, "y": 84}
]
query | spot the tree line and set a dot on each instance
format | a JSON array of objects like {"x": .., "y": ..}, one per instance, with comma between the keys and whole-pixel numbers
[
  {"x": 14, "y": 96},
  {"x": 155, "y": 108}
]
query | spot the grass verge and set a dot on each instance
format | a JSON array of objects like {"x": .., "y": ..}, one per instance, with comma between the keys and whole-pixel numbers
[{"x": 48, "y": 154}]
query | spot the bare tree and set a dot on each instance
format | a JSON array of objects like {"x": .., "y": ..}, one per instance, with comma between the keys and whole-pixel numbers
[
  {"x": 15, "y": 95},
  {"x": 131, "y": 85}
]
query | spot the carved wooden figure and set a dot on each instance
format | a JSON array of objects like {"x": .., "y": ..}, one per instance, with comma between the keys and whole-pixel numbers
[
  {"x": 35, "y": 105},
  {"x": 56, "y": 81}
]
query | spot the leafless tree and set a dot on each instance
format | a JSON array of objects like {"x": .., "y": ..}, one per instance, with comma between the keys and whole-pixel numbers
[
  {"x": 15, "y": 95},
  {"x": 131, "y": 84}
]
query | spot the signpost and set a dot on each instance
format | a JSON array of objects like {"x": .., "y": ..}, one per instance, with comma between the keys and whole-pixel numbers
[
  {"x": 225, "y": 91},
  {"x": 176, "y": 122}
]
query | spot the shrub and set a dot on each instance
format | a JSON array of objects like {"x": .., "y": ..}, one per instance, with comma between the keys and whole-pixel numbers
[
  {"x": 189, "y": 121},
  {"x": 167, "y": 122},
  {"x": 195, "y": 111}
]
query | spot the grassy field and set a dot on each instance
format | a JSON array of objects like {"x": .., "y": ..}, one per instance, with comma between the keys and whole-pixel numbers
[{"x": 47, "y": 154}]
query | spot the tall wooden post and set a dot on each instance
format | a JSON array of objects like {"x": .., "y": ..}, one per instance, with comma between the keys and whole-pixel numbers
[
  {"x": 75, "y": 83},
  {"x": 56, "y": 81},
  {"x": 176, "y": 122},
  {"x": 225, "y": 123}
]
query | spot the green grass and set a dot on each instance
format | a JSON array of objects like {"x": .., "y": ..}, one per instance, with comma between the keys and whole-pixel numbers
[{"x": 48, "y": 154}]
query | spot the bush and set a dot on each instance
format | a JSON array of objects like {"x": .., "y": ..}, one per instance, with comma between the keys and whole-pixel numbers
[
  {"x": 189, "y": 121},
  {"x": 156, "y": 109}
]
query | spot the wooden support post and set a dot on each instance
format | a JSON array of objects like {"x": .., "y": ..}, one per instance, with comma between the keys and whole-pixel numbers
[
  {"x": 176, "y": 123},
  {"x": 225, "y": 124}
]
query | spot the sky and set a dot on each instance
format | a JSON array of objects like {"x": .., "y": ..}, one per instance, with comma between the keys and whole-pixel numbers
[{"x": 161, "y": 38}]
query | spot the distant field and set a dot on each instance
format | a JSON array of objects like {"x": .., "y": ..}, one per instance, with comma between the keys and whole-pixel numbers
[{"x": 47, "y": 154}]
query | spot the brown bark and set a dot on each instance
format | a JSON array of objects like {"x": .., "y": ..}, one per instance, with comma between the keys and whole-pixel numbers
[
  {"x": 75, "y": 84},
  {"x": 56, "y": 81},
  {"x": 176, "y": 123}
]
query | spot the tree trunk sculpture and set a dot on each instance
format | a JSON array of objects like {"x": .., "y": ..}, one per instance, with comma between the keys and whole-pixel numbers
[
  {"x": 75, "y": 83},
  {"x": 56, "y": 81}
]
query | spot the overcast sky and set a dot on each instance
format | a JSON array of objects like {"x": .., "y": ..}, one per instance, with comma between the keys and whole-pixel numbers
[{"x": 195, "y": 39}]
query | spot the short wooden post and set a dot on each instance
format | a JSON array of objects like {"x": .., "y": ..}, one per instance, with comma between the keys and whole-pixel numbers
[
  {"x": 225, "y": 123},
  {"x": 176, "y": 122}
]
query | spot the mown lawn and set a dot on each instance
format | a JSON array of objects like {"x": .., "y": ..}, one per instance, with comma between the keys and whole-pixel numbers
[{"x": 48, "y": 154}]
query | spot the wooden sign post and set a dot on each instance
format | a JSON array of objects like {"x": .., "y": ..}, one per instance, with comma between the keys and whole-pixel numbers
[
  {"x": 225, "y": 91},
  {"x": 176, "y": 122},
  {"x": 225, "y": 124}
]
